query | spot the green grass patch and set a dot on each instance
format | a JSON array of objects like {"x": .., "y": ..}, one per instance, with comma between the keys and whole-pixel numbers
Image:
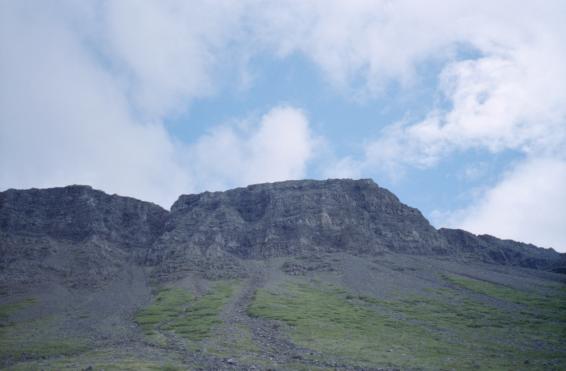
[
  {"x": 35, "y": 339},
  {"x": 446, "y": 312},
  {"x": 545, "y": 306},
  {"x": 38, "y": 348},
  {"x": 109, "y": 360},
  {"x": 179, "y": 311},
  {"x": 244, "y": 342},
  {"x": 134, "y": 365},
  {"x": 7, "y": 310},
  {"x": 200, "y": 317},
  {"x": 324, "y": 320},
  {"x": 31, "y": 338},
  {"x": 491, "y": 289},
  {"x": 237, "y": 343},
  {"x": 446, "y": 330},
  {"x": 167, "y": 306}
]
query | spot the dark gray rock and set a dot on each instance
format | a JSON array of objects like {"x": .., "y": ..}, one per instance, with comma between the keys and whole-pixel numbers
[
  {"x": 82, "y": 236},
  {"x": 76, "y": 213},
  {"x": 293, "y": 218},
  {"x": 306, "y": 265},
  {"x": 74, "y": 234},
  {"x": 494, "y": 250}
]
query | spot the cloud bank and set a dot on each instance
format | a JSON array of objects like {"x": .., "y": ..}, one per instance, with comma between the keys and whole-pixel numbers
[
  {"x": 85, "y": 103},
  {"x": 525, "y": 197},
  {"x": 507, "y": 94},
  {"x": 277, "y": 147},
  {"x": 87, "y": 88}
]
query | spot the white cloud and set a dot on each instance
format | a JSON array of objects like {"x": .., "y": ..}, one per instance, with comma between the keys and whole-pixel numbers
[
  {"x": 508, "y": 95},
  {"x": 86, "y": 88},
  {"x": 529, "y": 204},
  {"x": 66, "y": 120},
  {"x": 169, "y": 50},
  {"x": 276, "y": 147},
  {"x": 511, "y": 97},
  {"x": 69, "y": 115}
]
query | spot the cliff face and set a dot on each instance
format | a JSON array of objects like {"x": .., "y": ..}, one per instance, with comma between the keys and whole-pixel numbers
[
  {"x": 505, "y": 252},
  {"x": 293, "y": 218},
  {"x": 75, "y": 234},
  {"x": 79, "y": 233},
  {"x": 113, "y": 276},
  {"x": 76, "y": 213}
]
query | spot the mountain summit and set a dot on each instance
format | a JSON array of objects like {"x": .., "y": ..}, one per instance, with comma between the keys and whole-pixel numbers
[
  {"x": 49, "y": 229},
  {"x": 289, "y": 275}
]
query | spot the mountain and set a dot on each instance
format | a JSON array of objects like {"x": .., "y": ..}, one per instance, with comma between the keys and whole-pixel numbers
[
  {"x": 74, "y": 233},
  {"x": 53, "y": 230},
  {"x": 215, "y": 282},
  {"x": 288, "y": 219}
]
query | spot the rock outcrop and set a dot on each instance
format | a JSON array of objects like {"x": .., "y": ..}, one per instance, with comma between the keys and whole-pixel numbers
[
  {"x": 505, "y": 252},
  {"x": 77, "y": 213},
  {"x": 293, "y": 218},
  {"x": 75, "y": 234},
  {"x": 80, "y": 234}
]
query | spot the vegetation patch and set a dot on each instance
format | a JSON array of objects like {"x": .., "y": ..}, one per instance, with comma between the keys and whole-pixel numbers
[
  {"x": 31, "y": 338},
  {"x": 178, "y": 311},
  {"x": 539, "y": 320},
  {"x": 199, "y": 318},
  {"x": 448, "y": 329},
  {"x": 236, "y": 341},
  {"x": 39, "y": 348},
  {"x": 323, "y": 319},
  {"x": 6, "y": 310},
  {"x": 106, "y": 359},
  {"x": 167, "y": 306},
  {"x": 239, "y": 343},
  {"x": 554, "y": 303}
]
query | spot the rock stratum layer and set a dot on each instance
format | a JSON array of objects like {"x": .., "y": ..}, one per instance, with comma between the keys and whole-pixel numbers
[{"x": 84, "y": 235}]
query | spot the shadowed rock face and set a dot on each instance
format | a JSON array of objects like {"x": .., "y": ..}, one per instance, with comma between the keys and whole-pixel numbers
[
  {"x": 297, "y": 217},
  {"x": 505, "y": 252},
  {"x": 76, "y": 213},
  {"x": 74, "y": 234},
  {"x": 79, "y": 232}
]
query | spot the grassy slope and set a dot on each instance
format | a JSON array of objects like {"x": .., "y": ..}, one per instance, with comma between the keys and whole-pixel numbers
[
  {"x": 23, "y": 339},
  {"x": 463, "y": 323},
  {"x": 174, "y": 311},
  {"x": 456, "y": 327},
  {"x": 177, "y": 311}
]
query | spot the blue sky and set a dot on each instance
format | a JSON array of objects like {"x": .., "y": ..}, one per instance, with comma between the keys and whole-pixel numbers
[
  {"x": 458, "y": 108},
  {"x": 346, "y": 124}
]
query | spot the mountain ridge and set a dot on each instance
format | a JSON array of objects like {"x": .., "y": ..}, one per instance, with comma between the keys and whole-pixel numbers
[
  {"x": 335, "y": 274},
  {"x": 297, "y": 217}
]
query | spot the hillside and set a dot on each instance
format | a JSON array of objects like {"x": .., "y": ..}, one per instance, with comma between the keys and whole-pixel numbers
[{"x": 335, "y": 274}]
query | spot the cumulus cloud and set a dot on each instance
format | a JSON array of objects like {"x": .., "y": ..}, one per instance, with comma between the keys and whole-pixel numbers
[
  {"x": 500, "y": 89},
  {"x": 527, "y": 205},
  {"x": 65, "y": 120},
  {"x": 276, "y": 147},
  {"x": 495, "y": 104},
  {"x": 86, "y": 89},
  {"x": 168, "y": 51}
]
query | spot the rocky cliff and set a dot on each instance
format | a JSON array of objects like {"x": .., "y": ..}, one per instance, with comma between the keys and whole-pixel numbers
[
  {"x": 506, "y": 252},
  {"x": 76, "y": 213},
  {"x": 293, "y": 218},
  {"x": 77, "y": 231},
  {"x": 75, "y": 234}
]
